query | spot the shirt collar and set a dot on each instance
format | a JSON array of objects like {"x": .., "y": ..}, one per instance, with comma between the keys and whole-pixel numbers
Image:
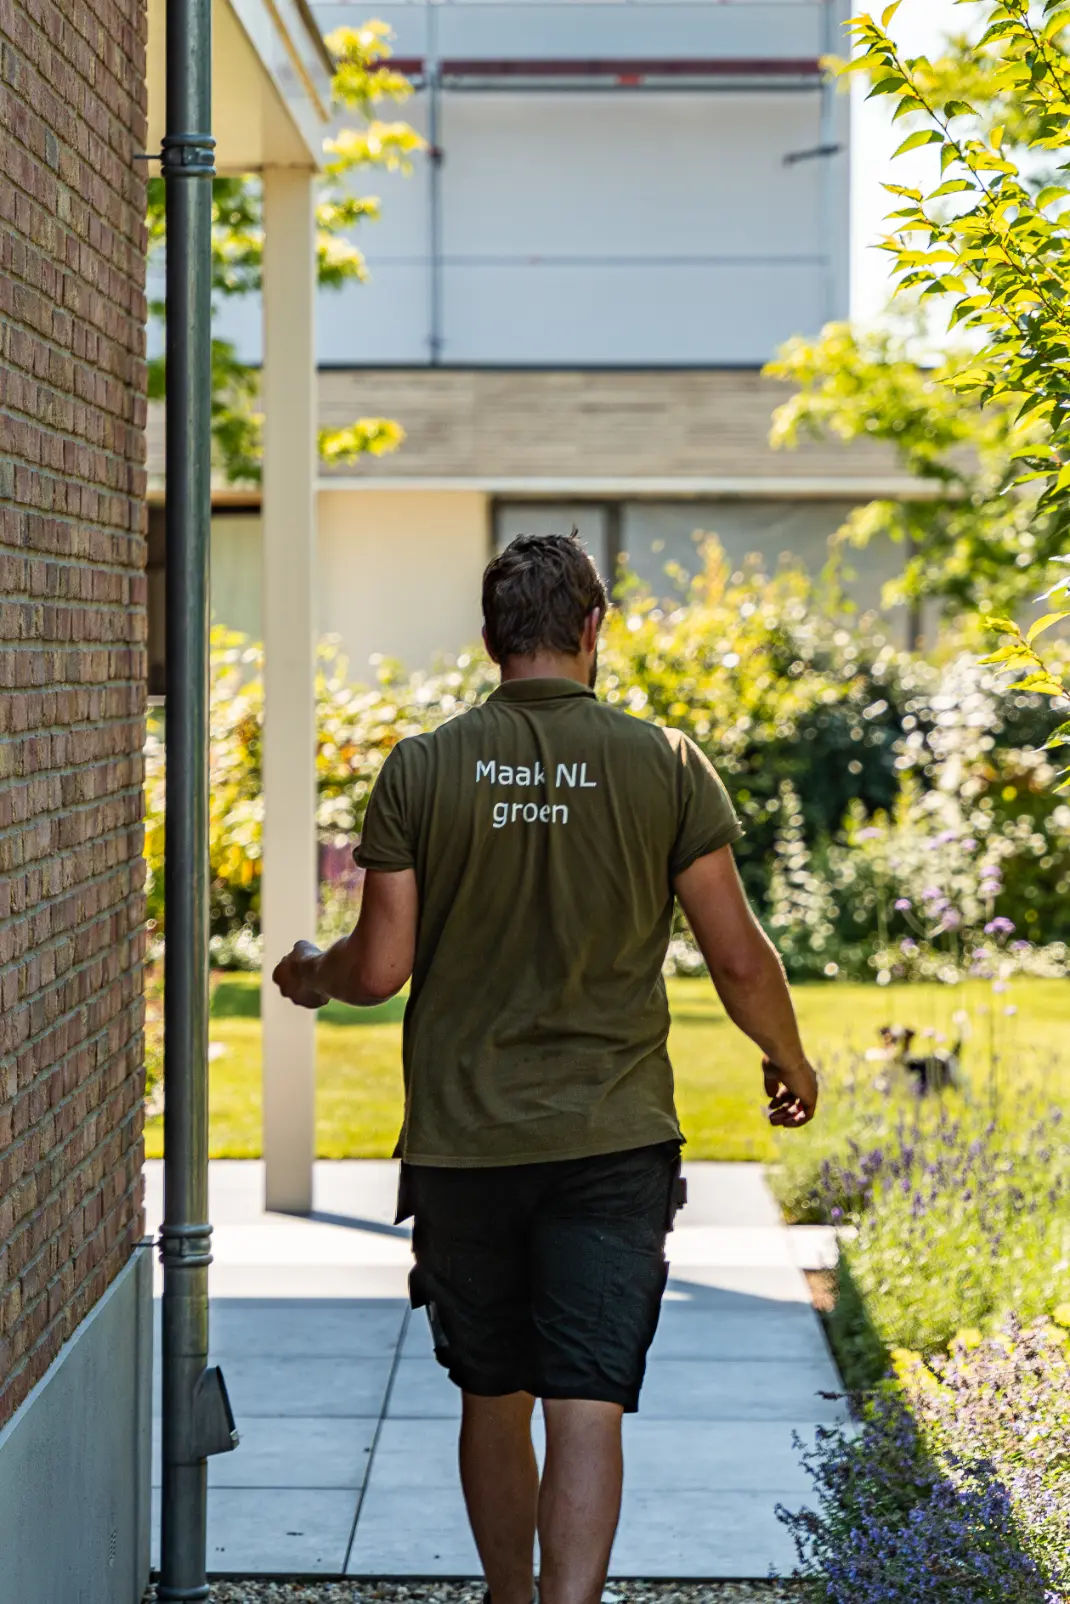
[{"x": 539, "y": 690}]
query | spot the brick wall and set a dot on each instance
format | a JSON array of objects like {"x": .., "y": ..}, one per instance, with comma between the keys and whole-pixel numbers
[{"x": 72, "y": 665}]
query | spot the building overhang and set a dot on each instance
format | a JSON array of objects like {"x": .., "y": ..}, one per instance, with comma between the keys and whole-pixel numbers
[{"x": 271, "y": 84}]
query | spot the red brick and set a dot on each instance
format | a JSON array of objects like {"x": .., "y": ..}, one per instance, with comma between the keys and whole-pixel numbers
[{"x": 72, "y": 663}]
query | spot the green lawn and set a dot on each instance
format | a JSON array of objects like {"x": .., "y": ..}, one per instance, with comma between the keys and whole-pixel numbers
[{"x": 718, "y": 1087}]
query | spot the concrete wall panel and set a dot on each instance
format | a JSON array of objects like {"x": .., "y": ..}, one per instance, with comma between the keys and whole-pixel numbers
[{"x": 75, "y": 1461}]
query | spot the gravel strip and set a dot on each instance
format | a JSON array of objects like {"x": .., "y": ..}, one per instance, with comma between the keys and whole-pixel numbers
[{"x": 416, "y": 1592}]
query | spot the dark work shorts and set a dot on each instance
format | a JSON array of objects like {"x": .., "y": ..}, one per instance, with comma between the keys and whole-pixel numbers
[{"x": 544, "y": 1278}]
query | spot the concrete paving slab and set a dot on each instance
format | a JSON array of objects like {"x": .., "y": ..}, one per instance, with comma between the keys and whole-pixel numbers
[
  {"x": 336, "y": 1388},
  {"x": 273, "y": 1532},
  {"x": 734, "y": 1246},
  {"x": 288, "y": 1532},
  {"x": 749, "y": 1329},
  {"x": 399, "y": 1534},
  {"x": 745, "y": 1455},
  {"x": 814, "y": 1247},
  {"x": 702, "y": 1535},
  {"x": 728, "y": 1194},
  {"x": 423, "y": 1391},
  {"x": 417, "y": 1453},
  {"x": 734, "y": 1389},
  {"x": 303, "y": 1282},
  {"x": 284, "y": 1451},
  {"x": 279, "y": 1238},
  {"x": 352, "y": 1328},
  {"x": 706, "y": 1284},
  {"x": 366, "y": 1188}
]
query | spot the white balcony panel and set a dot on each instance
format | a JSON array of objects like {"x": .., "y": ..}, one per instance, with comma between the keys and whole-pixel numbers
[
  {"x": 626, "y": 176},
  {"x": 620, "y": 316},
  {"x": 782, "y": 29}
]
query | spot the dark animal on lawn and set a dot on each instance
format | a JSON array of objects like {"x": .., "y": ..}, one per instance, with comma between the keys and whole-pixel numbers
[{"x": 933, "y": 1071}]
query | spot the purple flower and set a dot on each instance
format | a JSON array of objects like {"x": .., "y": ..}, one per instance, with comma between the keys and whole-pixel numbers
[
  {"x": 902, "y": 905},
  {"x": 951, "y": 920},
  {"x": 999, "y": 927},
  {"x": 908, "y": 945},
  {"x": 932, "y": 894},
  {"x": 868, "y": 834}
]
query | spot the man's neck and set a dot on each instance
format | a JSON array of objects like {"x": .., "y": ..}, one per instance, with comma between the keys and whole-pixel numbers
[{"x": 547, "y": 665}]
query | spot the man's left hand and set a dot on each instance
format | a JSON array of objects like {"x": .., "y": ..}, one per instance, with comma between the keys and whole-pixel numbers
[{"x": 291, "y": 976}]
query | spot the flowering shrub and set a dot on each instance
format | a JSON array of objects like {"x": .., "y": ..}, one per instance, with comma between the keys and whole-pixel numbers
[
  {"x": 822, "y": 731},
  {"x": 956, "y": 1485}
]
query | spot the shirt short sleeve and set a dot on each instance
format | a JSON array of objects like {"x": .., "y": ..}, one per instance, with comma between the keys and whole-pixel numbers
[
  {"x": 706, "y": 820},
  {"x": 388, "y": 840}
]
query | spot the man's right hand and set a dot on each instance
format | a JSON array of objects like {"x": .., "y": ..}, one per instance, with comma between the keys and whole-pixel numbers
[{"x": 792, "y": 1093}]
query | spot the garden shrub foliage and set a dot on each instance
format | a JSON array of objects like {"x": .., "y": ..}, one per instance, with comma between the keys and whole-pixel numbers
[
  {"x": 822, "y": 730},
  {"x": 954, "y": 1488}
]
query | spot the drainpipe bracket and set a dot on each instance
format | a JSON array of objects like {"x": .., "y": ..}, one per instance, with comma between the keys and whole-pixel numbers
[
  {"x": 213, "y": 1427},
  {"x": 186, "y": 1247}
]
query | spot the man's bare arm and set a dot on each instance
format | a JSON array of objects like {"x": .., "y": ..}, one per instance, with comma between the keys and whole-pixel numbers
[
  {"x": 750, "y": 980},
  {"x": 367, "y": 966}
]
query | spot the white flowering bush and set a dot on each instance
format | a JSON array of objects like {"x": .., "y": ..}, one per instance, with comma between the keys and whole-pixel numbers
[{"x": 863, "y": 774}]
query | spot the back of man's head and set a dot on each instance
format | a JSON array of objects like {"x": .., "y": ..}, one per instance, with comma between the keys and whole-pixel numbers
[{"x": 538, "y": 594}]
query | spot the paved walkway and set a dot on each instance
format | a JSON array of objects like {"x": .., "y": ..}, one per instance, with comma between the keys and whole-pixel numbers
[{"x": 347, "y": 1464}]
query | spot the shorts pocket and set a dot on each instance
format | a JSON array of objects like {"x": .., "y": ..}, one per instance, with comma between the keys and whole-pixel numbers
[{"x": 633, "y": 1285}]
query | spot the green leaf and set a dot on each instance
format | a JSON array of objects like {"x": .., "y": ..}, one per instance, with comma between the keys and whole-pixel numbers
[
  {"x": 959, "y": 108},
  {"x": 1053, "y": 192},
  {"x": 863, "y": 63},
  {"x": 923, "y": 136},
  {"x": 1005, "y": 626},
  {"x": 951, "y": 186},
  {"x": 887, "y": 86},
  {"x": 1056, "y": 23},
  {"x": 1047, "y": 622},
  {"x": 909, "y": 104},
  {"x": 1042, "y": 683},
  {"x": 888, "y": 13},
  {"x": 1059, "y": 737}
]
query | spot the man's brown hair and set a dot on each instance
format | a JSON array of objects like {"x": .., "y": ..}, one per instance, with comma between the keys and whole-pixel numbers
[{"x": 537, "y": 594}]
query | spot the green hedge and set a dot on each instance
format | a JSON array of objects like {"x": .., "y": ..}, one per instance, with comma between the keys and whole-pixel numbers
[{"x": 827, "y": 735}]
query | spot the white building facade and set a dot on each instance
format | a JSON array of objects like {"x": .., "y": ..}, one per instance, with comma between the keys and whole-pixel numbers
[{"x": 627, "y": 206}]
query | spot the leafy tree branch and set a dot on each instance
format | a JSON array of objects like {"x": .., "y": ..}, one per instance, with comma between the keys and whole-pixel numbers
[
  {"x": 362, "y": 82},
  {"x": 994, "y": 246}
]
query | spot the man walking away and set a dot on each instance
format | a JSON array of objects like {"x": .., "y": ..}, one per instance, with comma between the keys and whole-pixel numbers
[{"x": 522, "y": 861}]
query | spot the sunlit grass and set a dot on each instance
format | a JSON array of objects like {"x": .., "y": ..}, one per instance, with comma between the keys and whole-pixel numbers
[{"x": 718, "y": 1083}]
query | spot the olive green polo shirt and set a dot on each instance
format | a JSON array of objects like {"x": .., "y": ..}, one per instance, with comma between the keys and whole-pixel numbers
[{"x": 546, "y": 830}]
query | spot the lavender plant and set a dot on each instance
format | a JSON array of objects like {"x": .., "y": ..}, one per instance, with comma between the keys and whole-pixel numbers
[
  {"x": 953, "y": 1210},
  {"x": 954, "y": 1486}
]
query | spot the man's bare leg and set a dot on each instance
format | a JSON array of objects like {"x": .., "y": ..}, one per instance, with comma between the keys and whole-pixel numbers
[
  {"x": 500, "y": 1477},
  {"x": 579, "y": 1502}
]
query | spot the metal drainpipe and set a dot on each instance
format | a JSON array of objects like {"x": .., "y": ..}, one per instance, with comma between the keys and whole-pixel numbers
[{"x": 196, "y": 1416}]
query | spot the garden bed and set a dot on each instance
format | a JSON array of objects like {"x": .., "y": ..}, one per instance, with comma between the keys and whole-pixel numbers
[{"x": 949, "y": 1316}]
